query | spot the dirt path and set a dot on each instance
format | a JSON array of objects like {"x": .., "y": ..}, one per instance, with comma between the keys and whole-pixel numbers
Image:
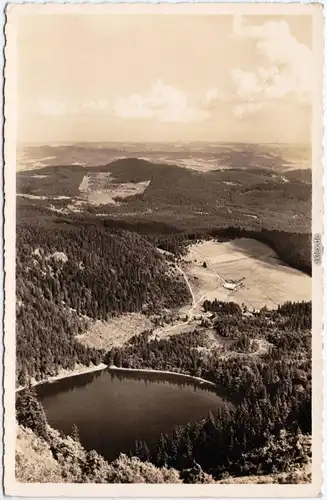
[
  {"x": 187, "y": 283},
  {"x": 167, "y": 330},
  {"x": 210, "y": 264},
  {"x": 216, "y": 273},
  {"x": 195, "y": 303},
  {"x": 253, "y": 271}
]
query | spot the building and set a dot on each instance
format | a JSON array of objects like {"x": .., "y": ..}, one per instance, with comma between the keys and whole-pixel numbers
[{"x": 230, "y": 286}]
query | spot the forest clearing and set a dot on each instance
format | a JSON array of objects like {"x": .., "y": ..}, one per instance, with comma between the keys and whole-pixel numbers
[{"x": 113, "y": 333}]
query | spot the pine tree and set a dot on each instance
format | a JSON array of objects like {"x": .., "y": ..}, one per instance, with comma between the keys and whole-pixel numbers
[
  {"x": 75, "y": 434},
  {"x": 161, "y": 453},
  {"x": 143, "y": 452},
  {"x": 30, "y": 412},
  {"x": 187, "y": 455},
  {"x": 95, "y": 468}
]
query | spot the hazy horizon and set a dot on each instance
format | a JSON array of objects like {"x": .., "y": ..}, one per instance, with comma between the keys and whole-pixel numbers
[
  {"x": 144, "y": 142},
  {"x": 196, "y": 155}
]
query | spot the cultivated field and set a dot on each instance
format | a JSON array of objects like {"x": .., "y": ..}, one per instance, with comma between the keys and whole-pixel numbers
[{"x": 267, "y": 282}]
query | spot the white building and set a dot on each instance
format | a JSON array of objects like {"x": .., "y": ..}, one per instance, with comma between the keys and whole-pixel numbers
[{"x": 230, "y": 286}]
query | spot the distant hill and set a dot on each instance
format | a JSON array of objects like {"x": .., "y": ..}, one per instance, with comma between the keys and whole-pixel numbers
[
  {"x": 251, "y": 198},
  {"x": 273, "y": 208},
  {"x": 303, "y": 175}
]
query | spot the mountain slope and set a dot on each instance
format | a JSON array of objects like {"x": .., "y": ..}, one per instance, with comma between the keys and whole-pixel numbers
[{"x": 69, "y": 276}]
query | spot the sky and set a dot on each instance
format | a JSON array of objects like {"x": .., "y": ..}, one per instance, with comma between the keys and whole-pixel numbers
[{"x": 164, "y": 78}]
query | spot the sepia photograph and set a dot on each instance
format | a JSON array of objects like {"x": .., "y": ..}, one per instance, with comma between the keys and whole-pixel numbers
[{"x": 163, "y": 241}]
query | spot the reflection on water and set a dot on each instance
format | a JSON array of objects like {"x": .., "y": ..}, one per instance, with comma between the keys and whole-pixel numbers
[
  {"x": 67, "y": 384},
  {"x": 163, "y": 378},
  {"x": 112, "y": 408}
]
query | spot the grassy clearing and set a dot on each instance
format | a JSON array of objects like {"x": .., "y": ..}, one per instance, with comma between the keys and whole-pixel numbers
[
  {"x": 104, "y": 335},
  {"x": 267, "y": 282},
  {"x": 100, "y": 188}
]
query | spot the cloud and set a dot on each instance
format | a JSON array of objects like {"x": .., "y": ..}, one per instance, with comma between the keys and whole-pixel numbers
[
  {"x": 100, "y": 105},
  {"x": 162, "y": 103},
  {"x": 247, "y": 84},
  {"x": 56, "y": 108},
  {"x": 49, "y": 107},
  {"x": 287, "y": 68},
  {"x": 248, "y": 108},
  {"x": 212, "y": 95}
]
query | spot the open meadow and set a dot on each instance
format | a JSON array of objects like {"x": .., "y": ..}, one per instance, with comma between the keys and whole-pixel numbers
[{"x": 266, "y": 280}]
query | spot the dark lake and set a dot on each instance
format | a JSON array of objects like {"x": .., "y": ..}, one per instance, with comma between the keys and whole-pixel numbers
[{"x": 114, "y": 408}]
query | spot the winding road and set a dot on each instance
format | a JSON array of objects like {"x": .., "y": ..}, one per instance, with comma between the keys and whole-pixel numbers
[
  {"x": 210, "y": 264},
  {"x": 162, "y": 331},
  {"x": 188, "y": 284}
]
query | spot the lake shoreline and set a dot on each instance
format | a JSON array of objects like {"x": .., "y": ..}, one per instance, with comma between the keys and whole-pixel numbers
[
  {"x": 67, "y": 374},
  {"x": 163, "y": 372},
  {"x": 103, "y": 366}
]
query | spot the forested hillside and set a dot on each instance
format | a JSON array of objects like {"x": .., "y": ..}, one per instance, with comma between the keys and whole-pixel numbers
[
  {"x": 62, "y": 459},
  {"x": 264, "y": 429},
  {"x": 272, "y": 387},
  {"x": 68, "y": 275}
]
